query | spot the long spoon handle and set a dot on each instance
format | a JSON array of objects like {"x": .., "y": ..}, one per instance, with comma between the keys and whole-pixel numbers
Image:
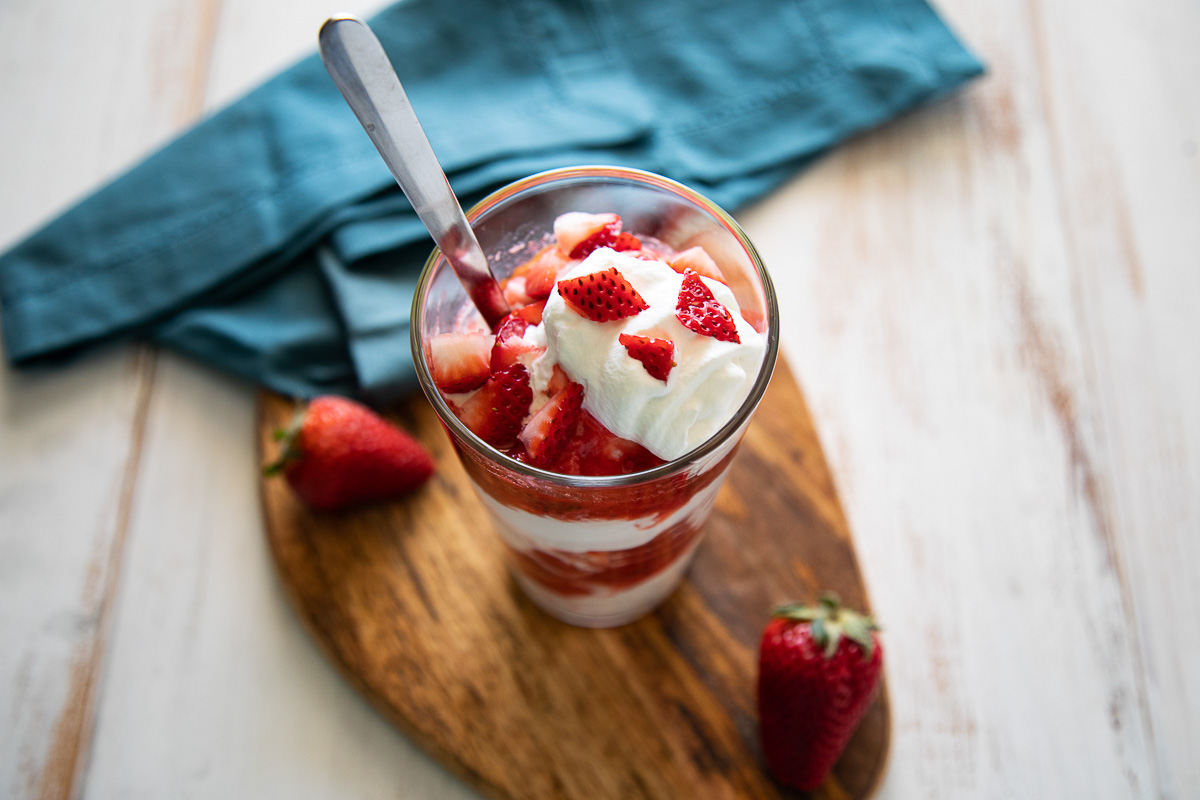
[{"x": 359, "y": 66}]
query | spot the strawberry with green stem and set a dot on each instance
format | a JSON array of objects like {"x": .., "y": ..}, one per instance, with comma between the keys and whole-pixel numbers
[
  {"x": 338, "y": 453},
  {"x": 819, "y": 670}
]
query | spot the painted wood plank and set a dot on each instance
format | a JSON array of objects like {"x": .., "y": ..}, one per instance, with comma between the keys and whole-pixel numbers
[
  {"x": 967, "y": 282},
  {"x": 993, "y": 319},
  {"x": 75, "y": 112},
  {"x": 70, "y": 445},
  {"x": 211, "y": 688},
  {"x": 1125, "y": 134}
]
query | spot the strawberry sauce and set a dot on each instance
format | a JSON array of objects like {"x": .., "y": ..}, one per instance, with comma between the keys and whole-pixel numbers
[{"x": 569, "y": 573}]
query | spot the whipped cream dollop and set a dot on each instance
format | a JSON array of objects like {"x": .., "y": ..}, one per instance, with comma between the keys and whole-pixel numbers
[{"x": 710, "y": 380}]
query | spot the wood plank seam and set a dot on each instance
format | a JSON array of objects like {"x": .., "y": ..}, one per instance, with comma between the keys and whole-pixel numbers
[
  {"x": 66, "y": 762},
  {"x": 65, "y": 768}
]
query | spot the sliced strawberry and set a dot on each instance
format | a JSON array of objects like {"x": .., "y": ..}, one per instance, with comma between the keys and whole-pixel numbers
[
  {"x": 542, "y": 271},
  {"x": 496, "y": 411},
  {"x": 460, "y": 362},
  {"x": 699, "y": 261},
  {"x": 699, "y": 311},
  {"x": 602, "y": 296},
  {"x": 626, "y": 241},
  {"x": 509, "y": 345},
  {"x": 553, "y": 424},
  {"x": 514, "y": 291},
  {"x": 511, "y": 327},
  {"x": 558, "y": 381},
  {"x": 656, "y": 355},
  {"x": 531, "y": 313},
  {"x": 595, "y": 450},
  {"x": 654, "y": 250},
  {"x": 579, "y": 233},
  {"x": 602, "y": 238}
]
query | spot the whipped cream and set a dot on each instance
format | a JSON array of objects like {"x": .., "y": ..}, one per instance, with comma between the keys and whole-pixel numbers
[{"x": 710, "y": 379}]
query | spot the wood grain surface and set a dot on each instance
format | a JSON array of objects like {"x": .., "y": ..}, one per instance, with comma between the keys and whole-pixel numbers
[
  {"x": 991, "y": 303},
  {"x": 412, "y": 602}
]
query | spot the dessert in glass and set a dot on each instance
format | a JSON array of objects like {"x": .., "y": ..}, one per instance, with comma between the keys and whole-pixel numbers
[{"x": 597, "y": 421}]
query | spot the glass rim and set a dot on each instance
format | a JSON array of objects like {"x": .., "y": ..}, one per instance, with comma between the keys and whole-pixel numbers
[{"x": 616, "y": 174}]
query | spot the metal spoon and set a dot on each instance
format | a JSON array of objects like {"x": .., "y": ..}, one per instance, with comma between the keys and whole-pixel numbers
[{"x": 364, "y": 75}]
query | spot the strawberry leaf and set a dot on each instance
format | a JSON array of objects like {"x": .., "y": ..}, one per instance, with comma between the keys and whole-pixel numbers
[{"x": 830, "y": 621}]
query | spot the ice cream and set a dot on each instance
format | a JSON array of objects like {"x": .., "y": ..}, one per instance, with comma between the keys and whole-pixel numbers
[
  {"x": 710, "y": 380},
  {"x": 619, "y": 355}
]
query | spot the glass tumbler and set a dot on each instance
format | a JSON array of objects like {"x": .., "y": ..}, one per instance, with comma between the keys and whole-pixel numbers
[{"x": 596, "y": 551}]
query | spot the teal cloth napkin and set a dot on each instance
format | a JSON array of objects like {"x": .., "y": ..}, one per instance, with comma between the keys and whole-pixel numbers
[{"x": 270, "y": 240}]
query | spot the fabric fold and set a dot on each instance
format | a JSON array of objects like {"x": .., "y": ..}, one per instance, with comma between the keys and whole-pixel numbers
[{"x": 271, "y": 241}]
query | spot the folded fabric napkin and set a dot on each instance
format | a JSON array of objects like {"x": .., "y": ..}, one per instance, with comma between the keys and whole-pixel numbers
[{"x": 270, "y": 240}]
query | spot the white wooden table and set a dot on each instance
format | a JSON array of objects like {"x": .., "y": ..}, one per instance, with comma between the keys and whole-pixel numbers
[{"x": 994, "y": 308}]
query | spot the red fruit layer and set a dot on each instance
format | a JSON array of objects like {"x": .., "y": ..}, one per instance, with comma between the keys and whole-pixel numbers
[
  {"x": 593, "y": 449},
  {"x": 509, "y": 347},
  {"x": 496, "y": 411},
  {"x": 549, "y": 430},
  {"x": 654, "y": 498},
  {"x": 568, "y": 573},
  {"x": 589, "y": 449}
]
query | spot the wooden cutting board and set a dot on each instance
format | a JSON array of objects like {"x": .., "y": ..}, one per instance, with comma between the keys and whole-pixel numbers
[{"x": 412, "y": 602}]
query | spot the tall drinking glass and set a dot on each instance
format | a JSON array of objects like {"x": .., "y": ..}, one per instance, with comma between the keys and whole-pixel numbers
[{"x": 596, "y": 551}]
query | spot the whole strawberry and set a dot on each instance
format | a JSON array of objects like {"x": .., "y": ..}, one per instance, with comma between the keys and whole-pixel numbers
[
  {"x": 338, "y": 453},
  {"x": 819, "y": 668}
]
